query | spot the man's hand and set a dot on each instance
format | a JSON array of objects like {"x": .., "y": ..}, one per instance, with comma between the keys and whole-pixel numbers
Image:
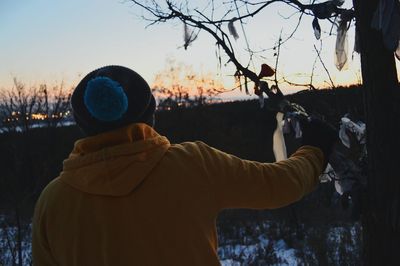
[{"x": 319, "y": 134}]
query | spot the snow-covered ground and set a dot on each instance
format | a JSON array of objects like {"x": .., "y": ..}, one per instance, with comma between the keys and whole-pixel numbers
[
  {"x": 9, "y": 248},
  {"x": 249, "y": 243},
  {"x": 269, "y": 243},
  {"x": 262, "y": 253}
]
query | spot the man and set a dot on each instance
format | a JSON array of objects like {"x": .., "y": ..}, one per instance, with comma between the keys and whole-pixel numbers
[{"x": 126, "y": 196}]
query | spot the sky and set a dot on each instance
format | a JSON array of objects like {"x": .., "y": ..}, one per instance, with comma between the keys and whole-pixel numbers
[{"x": 47, "y": 41}]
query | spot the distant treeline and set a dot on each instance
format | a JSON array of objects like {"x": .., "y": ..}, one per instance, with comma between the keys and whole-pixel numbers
[{"x": 29, "y": 160}]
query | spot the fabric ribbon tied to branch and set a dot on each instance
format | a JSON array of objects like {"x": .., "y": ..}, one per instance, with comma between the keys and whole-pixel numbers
[
  {"x": 341, "y": 48},
  {"x": 232, "y": 29},
  {"x": 386, "y": 19}
]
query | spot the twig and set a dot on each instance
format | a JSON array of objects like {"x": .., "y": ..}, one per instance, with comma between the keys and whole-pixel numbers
[
  {"x": 299, "y": 84},
  {"x": 244, "y": 34},
  {"x": 277, "y": 59},
  {"x": 312, "y": 72},
  {"x": 322, "y": 63}
]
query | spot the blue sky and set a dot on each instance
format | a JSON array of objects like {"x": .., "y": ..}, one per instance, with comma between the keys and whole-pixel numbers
[{"x": 53, "y": 41}]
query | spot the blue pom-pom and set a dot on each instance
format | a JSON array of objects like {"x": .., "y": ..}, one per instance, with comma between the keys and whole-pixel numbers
[{"x": 105, "y": 99}]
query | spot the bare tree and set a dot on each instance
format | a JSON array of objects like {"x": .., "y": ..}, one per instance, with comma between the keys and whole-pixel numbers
[
  {"x": 381, "y": 210},
  {"x": 54, "y": 104},
  {"x": 381, "y": 219},
  {"x": 179, "y": 86},
  {"x": 21, "y": 109},
  {"x": 17, "y": 106},
  {"x": 220, "y": 24}
]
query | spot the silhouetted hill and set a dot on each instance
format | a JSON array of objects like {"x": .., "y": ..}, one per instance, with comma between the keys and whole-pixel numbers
[{"x": 29, "y": 161}]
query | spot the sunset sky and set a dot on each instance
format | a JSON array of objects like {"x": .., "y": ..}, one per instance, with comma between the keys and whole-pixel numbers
[{"x": 44, "y": 41}]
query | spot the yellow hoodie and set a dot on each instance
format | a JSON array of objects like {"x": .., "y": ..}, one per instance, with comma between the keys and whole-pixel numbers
[{"x": 129, "y": 197}]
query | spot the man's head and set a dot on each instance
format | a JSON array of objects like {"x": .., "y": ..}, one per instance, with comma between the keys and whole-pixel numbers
[{"x": 112, "y": 97}]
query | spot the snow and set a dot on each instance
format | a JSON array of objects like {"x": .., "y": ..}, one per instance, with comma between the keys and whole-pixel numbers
[
  {"x": 238, "y": 254},
  {"x": 262, "y": 243},
  {"x": 230, "y": 263},
  {"x": 265, "y": 243},
  {"x": 287, "y": 255},
  {"x": 8, "y": 248}
]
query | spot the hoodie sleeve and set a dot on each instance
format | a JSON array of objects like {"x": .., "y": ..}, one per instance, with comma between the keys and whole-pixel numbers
[{"x": 239, "y": 183}]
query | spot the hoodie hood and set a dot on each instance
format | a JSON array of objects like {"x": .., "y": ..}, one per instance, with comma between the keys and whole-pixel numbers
[{"x": 116, "y": 162}]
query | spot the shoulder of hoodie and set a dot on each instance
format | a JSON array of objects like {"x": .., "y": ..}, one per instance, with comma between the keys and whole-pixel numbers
[
  {"x": 195, "y": 148},
  {"x": 200, "y": 152},
  {"x": 46, "y": 198},
  {"x": 51, "y": 192},
  {"x": 192, "y": 149}
]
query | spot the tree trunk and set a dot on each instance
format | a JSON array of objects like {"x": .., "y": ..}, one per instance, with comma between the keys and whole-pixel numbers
[{"x": 381, "y": 217}]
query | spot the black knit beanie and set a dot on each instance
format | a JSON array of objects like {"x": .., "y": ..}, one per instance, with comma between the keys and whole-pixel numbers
[{"x": 112, "y": 97}]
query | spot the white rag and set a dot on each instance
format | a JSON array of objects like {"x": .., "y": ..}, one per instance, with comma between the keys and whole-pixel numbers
[{"x": 279, "y": 146}]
